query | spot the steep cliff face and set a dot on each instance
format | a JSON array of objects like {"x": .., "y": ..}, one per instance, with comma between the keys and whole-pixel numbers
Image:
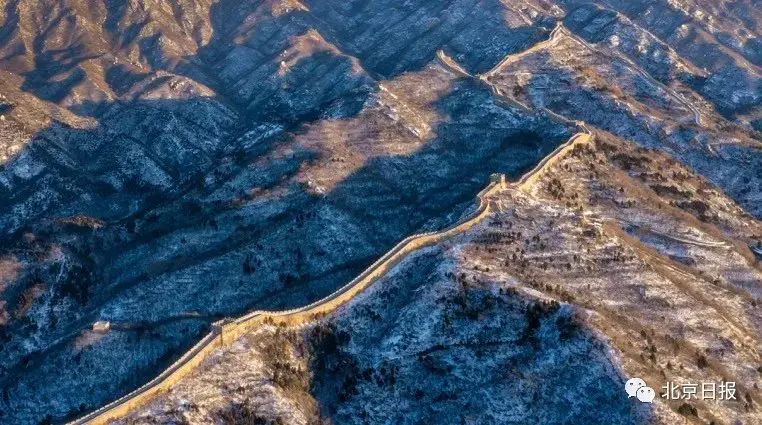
[{"x": 169, "y": 163}]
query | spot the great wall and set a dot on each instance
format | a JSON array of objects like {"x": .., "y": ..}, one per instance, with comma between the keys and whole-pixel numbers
[{"x": 226, "y": 331}]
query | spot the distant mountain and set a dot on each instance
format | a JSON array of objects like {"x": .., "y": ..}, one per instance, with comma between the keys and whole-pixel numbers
[{"x": 165, "y": 164}]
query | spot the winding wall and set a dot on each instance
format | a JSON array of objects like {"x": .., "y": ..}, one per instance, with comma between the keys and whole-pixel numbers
[{"x": 226, "y": 331}]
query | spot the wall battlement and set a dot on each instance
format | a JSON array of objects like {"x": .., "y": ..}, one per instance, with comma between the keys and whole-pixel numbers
[{"x": 226, "y": 331}]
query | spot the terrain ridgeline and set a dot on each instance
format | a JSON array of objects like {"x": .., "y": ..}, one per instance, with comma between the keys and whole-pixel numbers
[{"x": 225, "y": 331}]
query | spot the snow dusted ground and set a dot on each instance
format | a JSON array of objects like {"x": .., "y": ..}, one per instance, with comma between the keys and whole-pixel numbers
[
  {"x": 162, "y": 167},
  {"x": 658, "y": 256},
  {"x": 603, "y": 270},
  {"x": 428, "y": 344}
]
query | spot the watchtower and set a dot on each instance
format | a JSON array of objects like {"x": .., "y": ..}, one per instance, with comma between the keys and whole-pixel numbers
[
  {"x": 102, "y": 326},
  {"x": 498, "y": 178}
]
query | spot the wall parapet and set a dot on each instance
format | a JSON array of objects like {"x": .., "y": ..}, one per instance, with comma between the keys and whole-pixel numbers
[{"x": 225, "y": 332}]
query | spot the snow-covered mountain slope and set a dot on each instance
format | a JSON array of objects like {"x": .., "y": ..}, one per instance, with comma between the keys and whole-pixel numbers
[{"x": 165, "y": 164}]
